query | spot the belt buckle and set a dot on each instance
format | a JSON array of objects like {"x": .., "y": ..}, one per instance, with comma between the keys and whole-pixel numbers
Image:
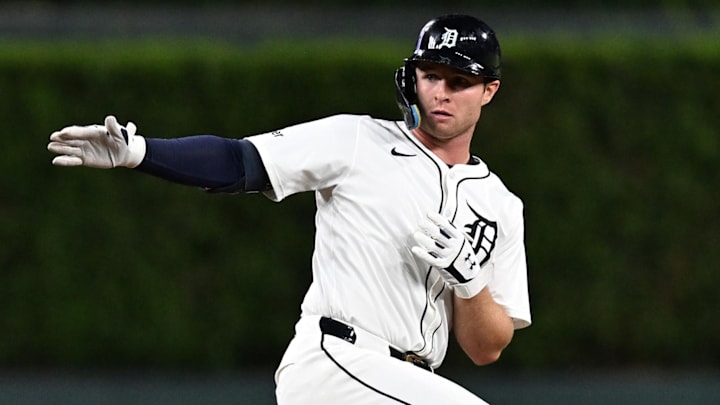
[{"x": 417, "y": 360}]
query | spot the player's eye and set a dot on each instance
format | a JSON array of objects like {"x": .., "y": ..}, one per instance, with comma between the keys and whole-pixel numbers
[{"x": 459, "y": 82}]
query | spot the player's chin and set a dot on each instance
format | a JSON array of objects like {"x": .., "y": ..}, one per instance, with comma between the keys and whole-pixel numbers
[
  {"x": 433, "y": 126},
  {"x": 442, "y": 132}
]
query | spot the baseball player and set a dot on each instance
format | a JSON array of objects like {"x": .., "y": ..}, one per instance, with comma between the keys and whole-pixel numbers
[{"x": 416, "y": 239}]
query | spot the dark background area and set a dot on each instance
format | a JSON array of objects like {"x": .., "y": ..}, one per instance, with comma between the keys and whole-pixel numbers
[{"x": 118, "y": 288}]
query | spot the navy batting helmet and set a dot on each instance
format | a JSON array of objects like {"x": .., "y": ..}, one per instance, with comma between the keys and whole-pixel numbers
[{"x": 456, "y": 40}]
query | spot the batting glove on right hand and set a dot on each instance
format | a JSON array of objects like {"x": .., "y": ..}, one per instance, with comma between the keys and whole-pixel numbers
[
  {"x": 441, "y": 245},
  {"x": 98, "y": 146}
]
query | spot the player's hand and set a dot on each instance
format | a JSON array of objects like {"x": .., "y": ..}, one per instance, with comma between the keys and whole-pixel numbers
[
  {"x": 104, "y": 147},
  {"x": 441, "y": 245}
]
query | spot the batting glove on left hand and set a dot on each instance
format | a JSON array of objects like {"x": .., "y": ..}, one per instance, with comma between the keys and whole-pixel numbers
[
  {"x": 104, "y": 147},
  {"x": 441, "y": 245}
]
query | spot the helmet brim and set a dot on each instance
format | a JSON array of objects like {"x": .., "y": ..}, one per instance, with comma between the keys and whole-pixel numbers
[{"x": 453, "y": 59}]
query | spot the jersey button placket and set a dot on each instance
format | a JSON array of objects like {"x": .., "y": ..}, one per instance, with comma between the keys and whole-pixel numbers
[{"x": 449, "y": 188}]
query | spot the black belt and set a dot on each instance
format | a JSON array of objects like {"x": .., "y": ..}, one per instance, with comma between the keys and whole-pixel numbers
[{"x": 345, "y": 332}]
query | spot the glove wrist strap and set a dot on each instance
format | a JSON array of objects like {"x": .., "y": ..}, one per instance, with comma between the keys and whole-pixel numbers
[
  {"x": 137, "y": 149},
  {"x": 474, "y": 286}
]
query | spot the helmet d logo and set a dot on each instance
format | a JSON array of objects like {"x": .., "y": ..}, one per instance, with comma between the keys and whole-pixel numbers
[{"x": 449, "y": 40}]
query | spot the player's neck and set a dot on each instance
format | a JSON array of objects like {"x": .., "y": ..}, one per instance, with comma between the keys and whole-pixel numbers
[{"x": 452, "y": 151}]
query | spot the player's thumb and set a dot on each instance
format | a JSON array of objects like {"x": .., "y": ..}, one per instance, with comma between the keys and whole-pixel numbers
[{"x": 111, "y": 123}]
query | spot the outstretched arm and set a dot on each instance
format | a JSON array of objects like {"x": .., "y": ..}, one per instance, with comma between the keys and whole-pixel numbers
[
  {"x": 213, "y": 163},
  {"x": 210, "y": 162}
]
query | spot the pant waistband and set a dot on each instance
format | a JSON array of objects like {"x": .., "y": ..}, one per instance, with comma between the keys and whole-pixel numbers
[{"x": 348, "y": 333}]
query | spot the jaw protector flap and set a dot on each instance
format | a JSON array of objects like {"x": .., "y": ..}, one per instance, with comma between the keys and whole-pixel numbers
[{"x": 406, "y": 95}]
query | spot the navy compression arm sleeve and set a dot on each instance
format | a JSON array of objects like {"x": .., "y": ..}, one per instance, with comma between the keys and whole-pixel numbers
[{"x": 213, "y": 163}]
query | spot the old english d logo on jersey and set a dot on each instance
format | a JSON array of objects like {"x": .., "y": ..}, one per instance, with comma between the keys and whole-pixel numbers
[{"x": 484, "y": 233}]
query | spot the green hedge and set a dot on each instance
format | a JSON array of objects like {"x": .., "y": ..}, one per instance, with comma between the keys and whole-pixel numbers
[{"x": 612, "y": 146}]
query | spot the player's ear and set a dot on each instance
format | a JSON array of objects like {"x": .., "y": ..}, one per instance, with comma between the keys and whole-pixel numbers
[{"x": 490, "y": 89}]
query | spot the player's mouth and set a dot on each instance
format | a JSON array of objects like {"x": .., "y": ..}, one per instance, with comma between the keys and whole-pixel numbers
[{"x": 441, "y": 114}]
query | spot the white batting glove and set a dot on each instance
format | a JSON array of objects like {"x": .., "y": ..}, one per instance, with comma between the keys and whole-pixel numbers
[
  {"x": 441, "y": 245},
  {"x": 98, "y": 146}
]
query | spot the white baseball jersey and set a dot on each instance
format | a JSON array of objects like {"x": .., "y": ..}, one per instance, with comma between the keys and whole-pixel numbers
[{"x": 373, "y": 182}]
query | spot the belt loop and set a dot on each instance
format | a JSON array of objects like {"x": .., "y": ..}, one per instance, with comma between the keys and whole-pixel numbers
[{"x": 338, "y": 329}]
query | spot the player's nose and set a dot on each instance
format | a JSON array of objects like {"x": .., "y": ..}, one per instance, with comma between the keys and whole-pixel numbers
[{"x": 442, "y": 91}]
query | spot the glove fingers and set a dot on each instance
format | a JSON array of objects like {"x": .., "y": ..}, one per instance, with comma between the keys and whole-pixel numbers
[
  {"x": 437, "y": 219},
  {"x": 62, "y": 148},
  {"x": 432, "y": 252},
  {"x": 78, "y": 133},
  {"x": 67, "y": 161},
  {"x": 114, "y": 129},
  {"x": 118, "y": 131},
  {"x": 110, "y": 122},
  {"x": 444, "y": 227},
  {"x": 429, "y": 228},
  {"x": 131, "y": 128},
  {"x": 426, "y": 242},
  {"x": 440, "y": 221},
  {"x": 437, "y": 232},
  {"x": 425, "y": 256},
  {"x": 56, "y": 136}
]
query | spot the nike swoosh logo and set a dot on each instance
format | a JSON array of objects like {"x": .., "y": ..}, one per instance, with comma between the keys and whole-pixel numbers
[{"x": 395, "y": 152}]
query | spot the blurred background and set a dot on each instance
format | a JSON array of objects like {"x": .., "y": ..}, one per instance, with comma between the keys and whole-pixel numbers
[{"x": 117, "y": 288}]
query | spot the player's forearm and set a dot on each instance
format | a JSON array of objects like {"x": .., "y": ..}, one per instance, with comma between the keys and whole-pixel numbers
[
  {"x": 481, "y": 327},
  {"x": 210, "y": 162}
]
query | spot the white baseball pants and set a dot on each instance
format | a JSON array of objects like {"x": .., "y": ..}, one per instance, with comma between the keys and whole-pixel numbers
[{"x": 321, "y": 369}]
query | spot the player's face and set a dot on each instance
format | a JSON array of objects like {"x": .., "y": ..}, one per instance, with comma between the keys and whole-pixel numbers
[{"x": 450, "y": 100}]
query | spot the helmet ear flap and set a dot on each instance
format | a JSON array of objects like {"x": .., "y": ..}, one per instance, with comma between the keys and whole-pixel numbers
[{"x": 406, "y": 95}]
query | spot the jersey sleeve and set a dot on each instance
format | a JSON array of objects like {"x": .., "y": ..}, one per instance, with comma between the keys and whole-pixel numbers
[
  {"x": 509, "y": 286},
  {"x": 315, "y": 155}
]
